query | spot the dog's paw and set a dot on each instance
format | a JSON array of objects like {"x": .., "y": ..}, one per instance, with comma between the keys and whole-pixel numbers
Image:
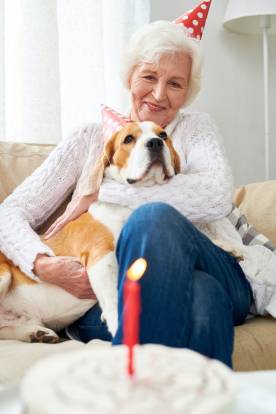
[
  {"x": 103, "y": 318},
  {"x": 112, "y": 323},
  {"x": 111, "y": 320},
  {"x": 44, "y": 335}
]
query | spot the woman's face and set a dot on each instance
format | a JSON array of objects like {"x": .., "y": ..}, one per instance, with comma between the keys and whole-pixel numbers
[{"x": 158, "y": 90}]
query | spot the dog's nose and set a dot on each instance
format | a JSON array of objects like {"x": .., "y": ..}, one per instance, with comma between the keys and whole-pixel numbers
[{"x": 155, "y": 144}]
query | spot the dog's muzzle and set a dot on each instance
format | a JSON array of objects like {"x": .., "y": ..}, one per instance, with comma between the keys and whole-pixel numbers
[{"x": 155, "y": 145}]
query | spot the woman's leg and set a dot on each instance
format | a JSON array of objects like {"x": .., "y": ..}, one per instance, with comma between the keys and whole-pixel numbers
[
  {"x": 212, "y": 330},
  {"x": 172, "y": 292},
  {"x": 89, "y": 326}
]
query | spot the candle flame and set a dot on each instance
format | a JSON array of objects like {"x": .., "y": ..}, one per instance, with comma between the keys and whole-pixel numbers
[{"x": 137, "y": 269}]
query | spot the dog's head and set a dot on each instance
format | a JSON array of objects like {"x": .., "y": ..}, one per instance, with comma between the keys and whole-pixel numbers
[{"x": 139, "y": 153}]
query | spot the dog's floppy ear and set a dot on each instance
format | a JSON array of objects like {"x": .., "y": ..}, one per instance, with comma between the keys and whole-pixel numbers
[
  {"x": 175, "y": 156},
  {"x": 176, "y": 161},
  {"x": 97, "y": 172},
  {"x": 91, "y": 183}
]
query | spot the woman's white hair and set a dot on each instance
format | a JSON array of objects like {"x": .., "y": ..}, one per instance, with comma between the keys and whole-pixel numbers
[{"x": 155, "y": 39}]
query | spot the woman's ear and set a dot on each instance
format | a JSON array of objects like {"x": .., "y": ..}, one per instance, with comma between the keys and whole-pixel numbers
[{"x": 92, "y": 182}]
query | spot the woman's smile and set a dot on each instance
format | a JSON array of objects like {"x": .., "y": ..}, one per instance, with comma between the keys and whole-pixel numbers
[{"x": 154, "y": 107}]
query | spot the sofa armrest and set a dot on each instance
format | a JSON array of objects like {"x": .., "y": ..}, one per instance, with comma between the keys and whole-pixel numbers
[
  {"x": 17, "y": 161},
  {"x": 258, "y": 202}
]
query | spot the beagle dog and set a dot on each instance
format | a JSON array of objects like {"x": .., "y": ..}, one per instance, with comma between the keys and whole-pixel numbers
[{"x": 138, "y": 154}]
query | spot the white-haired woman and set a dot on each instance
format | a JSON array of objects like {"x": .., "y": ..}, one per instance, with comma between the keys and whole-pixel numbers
[{"x": 193, "y": 292}]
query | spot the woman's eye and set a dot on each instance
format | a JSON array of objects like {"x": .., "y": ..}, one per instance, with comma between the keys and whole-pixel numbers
[
  {"x": 149, "y": 77},
  {"x": 163, "y": 135},
  {"x": 175, "y": 84},
  {"x": 128, "y": 139}
]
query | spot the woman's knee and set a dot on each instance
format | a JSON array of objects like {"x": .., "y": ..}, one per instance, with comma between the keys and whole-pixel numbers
[
  {"x": 155, "y": 219},
  {"x": 157, "y": 212},
  {"x": 154, "y": 232}
]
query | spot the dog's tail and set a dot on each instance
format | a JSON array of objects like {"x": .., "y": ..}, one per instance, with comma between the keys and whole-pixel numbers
[{"x": 5, "y": 277}]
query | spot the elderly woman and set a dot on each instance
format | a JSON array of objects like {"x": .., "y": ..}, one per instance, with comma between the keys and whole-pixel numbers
[{"x": 194, "y": 292}]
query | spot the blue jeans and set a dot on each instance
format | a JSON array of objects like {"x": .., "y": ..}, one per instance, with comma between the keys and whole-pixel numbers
[{"x": 193, "y": 292}]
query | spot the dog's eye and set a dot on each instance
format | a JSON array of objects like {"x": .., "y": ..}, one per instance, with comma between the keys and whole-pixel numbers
[
  {"x": 128, "y": 139},
  {"x": 163, "y": 135}
]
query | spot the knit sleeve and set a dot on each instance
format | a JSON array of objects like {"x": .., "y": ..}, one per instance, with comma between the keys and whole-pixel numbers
[
  {"x": 38, "y": 197},
  {"x": 203, "y": 189}
]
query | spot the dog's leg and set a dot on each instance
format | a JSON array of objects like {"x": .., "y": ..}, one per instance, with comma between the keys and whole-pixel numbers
[
  {"x": 29, "y": 333},
  {"x": 103, "y": 277},
  {"x": 5, "y": 280}
]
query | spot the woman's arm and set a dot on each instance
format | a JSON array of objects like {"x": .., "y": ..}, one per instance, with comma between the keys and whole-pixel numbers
[
  {"x": 38, "y": 197},
  {"x": 74, "y": 209},
  {"x": 202, "y": 193}
]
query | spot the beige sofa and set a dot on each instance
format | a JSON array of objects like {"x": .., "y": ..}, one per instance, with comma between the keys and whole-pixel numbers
[{"x": 254, "y": 341}]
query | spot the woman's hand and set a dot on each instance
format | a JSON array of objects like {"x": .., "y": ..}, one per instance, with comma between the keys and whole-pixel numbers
[
  {"x": 66, "y": 272},
  {"x": 75, "y": 208}
]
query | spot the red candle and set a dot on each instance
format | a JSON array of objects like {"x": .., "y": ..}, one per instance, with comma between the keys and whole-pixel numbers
[{"x": 132, "y": 309}]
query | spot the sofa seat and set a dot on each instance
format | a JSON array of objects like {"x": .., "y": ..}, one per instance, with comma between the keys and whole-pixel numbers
[
  {"x": 16, "y": 357},
  {"x": 254, "y": 347}
]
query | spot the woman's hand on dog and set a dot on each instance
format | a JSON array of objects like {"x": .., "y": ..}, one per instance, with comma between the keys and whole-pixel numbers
[
  {"x": 66, "y": 272},
  {"x": 75, "y": 208}
]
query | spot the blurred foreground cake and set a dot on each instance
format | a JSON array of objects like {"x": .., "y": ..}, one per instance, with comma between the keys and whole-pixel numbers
[{"x": 166, "y": 381}]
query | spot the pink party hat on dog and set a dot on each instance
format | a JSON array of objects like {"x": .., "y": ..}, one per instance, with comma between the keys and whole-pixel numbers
[
  {"x": 112, "y": 121},
  {"x": 194, "y": 20}
]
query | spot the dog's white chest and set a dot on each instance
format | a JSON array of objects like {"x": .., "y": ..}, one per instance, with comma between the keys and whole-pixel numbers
[{"x": 112, "y": 216}]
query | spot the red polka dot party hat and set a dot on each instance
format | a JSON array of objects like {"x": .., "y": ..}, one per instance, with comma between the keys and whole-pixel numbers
[{"x": 194, "y": 20}]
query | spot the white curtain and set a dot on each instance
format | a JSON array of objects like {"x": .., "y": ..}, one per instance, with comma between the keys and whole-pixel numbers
[{"x": 59, "y": 61}]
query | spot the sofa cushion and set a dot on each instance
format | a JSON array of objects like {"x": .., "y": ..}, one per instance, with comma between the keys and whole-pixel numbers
[
  {"x": 17, "y": 161},
  {"x": 258, "y": 202}
]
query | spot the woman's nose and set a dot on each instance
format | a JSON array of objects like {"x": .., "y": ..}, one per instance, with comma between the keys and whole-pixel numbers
[{"x": 159, "y": 91}]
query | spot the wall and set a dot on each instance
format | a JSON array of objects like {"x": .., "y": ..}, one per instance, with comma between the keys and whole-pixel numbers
[{"x": 233, "y": 88}]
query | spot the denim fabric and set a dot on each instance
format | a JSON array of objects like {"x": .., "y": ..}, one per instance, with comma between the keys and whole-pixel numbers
[{"x": 193, "y": 292}]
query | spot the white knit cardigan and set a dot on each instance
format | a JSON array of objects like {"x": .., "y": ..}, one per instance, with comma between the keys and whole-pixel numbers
[{"x": 202, "y": 191}]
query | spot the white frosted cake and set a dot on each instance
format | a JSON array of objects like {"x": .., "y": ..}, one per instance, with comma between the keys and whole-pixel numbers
[{"x": 167, "y": 380}]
